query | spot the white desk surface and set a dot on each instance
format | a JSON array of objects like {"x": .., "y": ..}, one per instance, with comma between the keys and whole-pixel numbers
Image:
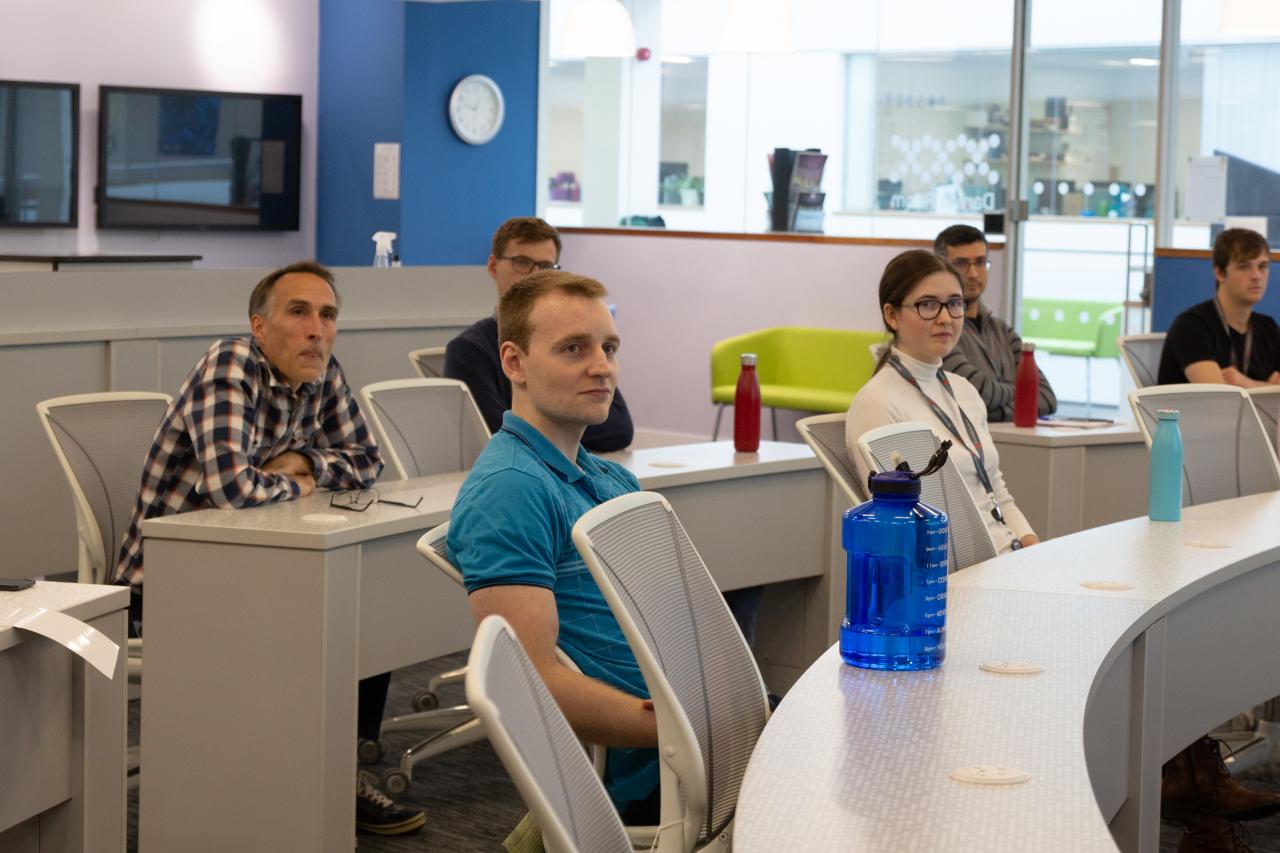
[
  {"x": 82, "y": 601},
  {"x": 284, "y": 524},
  {"x": 860, "y": 760},
  {"x": 1125, "y": 432}
]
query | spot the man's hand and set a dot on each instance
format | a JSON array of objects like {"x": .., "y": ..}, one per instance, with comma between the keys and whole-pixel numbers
[
  {"x": 306, "y": 484},
  {"x": 1029, "y": 540},
  {"x": 1234, "y": 377},
  {"x": 291, "y": 464},
  {"x": 1274, "y": 378}
]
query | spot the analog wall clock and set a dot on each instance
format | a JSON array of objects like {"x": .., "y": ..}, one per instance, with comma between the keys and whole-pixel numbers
[{"x": 476, "y": 109}]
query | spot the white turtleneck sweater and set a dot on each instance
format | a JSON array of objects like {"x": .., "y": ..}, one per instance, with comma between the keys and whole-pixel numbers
[{"x": 889, "y": 399}]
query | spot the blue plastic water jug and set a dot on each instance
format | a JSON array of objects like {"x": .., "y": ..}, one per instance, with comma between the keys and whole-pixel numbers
[
  {"x": 896, "y": 600},
  {"x": 1165, "y": 497}
]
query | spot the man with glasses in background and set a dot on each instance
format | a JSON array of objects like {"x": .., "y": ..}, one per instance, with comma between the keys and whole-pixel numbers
[
  {"x": 262, "y": 419},
  {"x": 988, "y": 351},
  {"x": 521, "y": 246}
]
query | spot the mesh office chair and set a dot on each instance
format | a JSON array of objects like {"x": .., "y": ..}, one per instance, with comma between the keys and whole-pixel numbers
[
  {"x": 1267, "y": 403},
  {"x": 1226, "y": 451},
  {"x": 536, "y": 745},
  {"x": 425, "y": 426},
  {"x": 429, "y": 362},
  {"x": 968, "y": 540},
  {"x": 707, "y": 693},
  {"x": 1141, "y": 354},
  {"x": 825, "y": 436},
  {"x": 101, "y": 441}
]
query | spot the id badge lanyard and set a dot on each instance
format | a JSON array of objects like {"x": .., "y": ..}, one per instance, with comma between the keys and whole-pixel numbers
[
  {"x": 974, "y": 445},
  {"x": 1243, "y": 367}
]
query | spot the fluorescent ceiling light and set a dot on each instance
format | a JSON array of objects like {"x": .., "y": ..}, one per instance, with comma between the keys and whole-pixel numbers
[
  {"x": 597, "y": 28},
  {"x": 1251, "y": 17},
  {"x": 678, "y": 60},
  {"x": 758, "y": 26},
  {"x": 1144, "y": 62}
]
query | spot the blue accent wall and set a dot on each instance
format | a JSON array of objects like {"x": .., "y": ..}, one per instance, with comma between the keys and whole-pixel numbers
[
  {"x": 454, "y": 195},
  {"x": 1183, "y": 282},
  {"x": 361, "y": 82}
]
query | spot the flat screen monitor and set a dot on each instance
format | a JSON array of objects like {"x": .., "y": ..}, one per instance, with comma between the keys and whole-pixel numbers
[
  {"x": 39, "y": 147},
  {"x": 184, "y": 159}
]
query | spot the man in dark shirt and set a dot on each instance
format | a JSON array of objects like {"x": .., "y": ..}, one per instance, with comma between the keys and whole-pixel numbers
[
  {"x": 521, "y": 246},
  {"x": 1223, "y": 340},
  {"x": 988, "y": 351}
]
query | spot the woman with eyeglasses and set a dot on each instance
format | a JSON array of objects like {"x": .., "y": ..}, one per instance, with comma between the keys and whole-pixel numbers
[{"x": 922, "y": 302}]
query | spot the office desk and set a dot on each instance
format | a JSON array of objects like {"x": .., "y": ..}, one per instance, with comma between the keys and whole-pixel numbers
[
  {"x": 860, "y": 760},
  {"x": 259, "y": 622},
  {"x": 62, "y": 729},
  {"x": 1066, "y": 480}
]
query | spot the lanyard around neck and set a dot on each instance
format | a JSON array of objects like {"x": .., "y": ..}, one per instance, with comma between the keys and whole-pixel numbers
[
  {"x": 1243, "y": 367},
  {"x": 975, "y": 443}
]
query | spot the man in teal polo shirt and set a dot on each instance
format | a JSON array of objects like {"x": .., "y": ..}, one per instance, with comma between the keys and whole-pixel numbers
[{"x": 511, "y": 526}]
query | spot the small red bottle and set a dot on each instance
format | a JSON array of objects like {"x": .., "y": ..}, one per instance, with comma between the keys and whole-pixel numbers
[
  {"x": 746, "y": 407},
  {"x": 1026, "y": 388}
]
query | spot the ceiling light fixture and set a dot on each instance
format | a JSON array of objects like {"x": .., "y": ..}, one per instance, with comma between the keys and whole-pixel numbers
[{"x": 597, "y": 28}]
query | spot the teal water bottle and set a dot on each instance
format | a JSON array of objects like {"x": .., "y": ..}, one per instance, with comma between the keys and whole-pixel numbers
[
  {"x": 896, "y": 599},
  {"x": 1166, "y": 468}
]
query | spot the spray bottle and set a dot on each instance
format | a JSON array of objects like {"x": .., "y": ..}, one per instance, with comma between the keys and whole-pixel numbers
[{"x": 382, "y": 255}]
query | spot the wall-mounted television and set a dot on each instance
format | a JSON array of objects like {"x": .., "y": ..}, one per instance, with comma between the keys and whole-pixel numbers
[
  {"x": 185, "y": 159},
  {"x": 39, "y": 148}
]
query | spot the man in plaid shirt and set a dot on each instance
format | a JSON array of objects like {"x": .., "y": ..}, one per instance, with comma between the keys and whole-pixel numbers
[{"x": 265, "y": 419}]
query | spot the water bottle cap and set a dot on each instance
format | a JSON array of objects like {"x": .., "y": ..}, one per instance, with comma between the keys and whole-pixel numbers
[
  {"x": 1028, "y": 346},
  {"x": 1168, "y": 414},
  {"x": 748, "y": 359},
  {"x": 893, "y": 483}
]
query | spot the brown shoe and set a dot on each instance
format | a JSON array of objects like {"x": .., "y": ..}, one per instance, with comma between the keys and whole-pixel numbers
[
  {"x": 1212, "y": 834},
  {"x": 1196, "y": 782}
]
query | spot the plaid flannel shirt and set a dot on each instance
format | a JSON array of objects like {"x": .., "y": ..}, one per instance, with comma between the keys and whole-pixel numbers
[{"x": 232, "y": 415}]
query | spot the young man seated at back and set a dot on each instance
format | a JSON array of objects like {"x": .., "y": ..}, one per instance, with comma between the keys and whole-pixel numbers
[
  {"x": 511, "y": 526},
  {"x": 261, "y": 419},
  {"x": 988, "y": 350},
  {"x": 1223, "y": 340},
  {"x": 521, "y": 246}
]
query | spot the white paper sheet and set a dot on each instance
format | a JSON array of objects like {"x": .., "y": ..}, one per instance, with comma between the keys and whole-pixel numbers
[
  {"x": 1207, "y": 189},
  {"x": 83, "y": 640}
]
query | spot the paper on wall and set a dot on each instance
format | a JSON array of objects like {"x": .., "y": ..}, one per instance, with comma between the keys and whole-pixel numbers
[
  {"x": 83, "y": 640},
  {"x": 1207, "y": 189}
]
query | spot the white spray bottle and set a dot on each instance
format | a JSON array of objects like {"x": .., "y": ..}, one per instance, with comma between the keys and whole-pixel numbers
[{"x": 382, "y": 254}]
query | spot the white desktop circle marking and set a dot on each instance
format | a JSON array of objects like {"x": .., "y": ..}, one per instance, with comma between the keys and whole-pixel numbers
[
  {"x": 325, "y": 519},
  {"x": 668, "y": 465},
  {"x": 1106, "y": 585},
  {"x": 1011, "y": 667},
  {"x": 989, "y": 775}
]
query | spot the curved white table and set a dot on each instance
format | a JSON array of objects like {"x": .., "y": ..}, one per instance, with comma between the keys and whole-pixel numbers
[{"x": 860, "y": 760}]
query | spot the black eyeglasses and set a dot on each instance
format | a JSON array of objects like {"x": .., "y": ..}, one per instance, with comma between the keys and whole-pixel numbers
[
  {"x": 929, "y": 308},
  {"x": 362, "y": 499},
  {"x": 527, "y": 265},
  {"x": 964, "y": 264}
]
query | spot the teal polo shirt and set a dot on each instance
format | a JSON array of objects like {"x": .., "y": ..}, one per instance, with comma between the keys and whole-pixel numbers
[{"x": 513, "y": 524}]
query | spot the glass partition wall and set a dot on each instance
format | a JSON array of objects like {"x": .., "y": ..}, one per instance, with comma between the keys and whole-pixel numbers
[{"x": 911, "y": 104}]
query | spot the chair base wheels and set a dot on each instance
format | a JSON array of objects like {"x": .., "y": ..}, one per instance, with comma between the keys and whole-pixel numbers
[
  {"x": 395, "y": 781},
  {"x": 369, "y": 751},
  {"x": 425, "y": 700}
]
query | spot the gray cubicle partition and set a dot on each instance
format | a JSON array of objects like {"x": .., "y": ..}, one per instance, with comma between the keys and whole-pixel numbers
[{"x": 142, "y": 330}]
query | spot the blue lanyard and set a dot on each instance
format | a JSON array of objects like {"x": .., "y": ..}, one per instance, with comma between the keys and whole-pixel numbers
[{"x": 976, "y": 451}]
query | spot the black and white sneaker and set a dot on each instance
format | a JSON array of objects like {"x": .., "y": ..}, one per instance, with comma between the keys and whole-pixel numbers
[{"x": 376, "y": 812}]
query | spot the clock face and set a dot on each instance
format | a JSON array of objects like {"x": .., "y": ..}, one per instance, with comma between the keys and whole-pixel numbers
[{"x": 476, "y": 109}]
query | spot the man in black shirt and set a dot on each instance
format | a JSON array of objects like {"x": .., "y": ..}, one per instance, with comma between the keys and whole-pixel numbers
[
  {"x": 521, "y": 246},
  {"x": 1224, "y": 340}
]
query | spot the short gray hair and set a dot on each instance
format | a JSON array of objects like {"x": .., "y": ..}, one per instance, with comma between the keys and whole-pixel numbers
[{"x": 261, "y": 295}]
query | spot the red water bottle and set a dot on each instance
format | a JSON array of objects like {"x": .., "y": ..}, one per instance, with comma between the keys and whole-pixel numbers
[
  {"x": 746, "y": 407},
  {"x": 1026, "y": 388}
]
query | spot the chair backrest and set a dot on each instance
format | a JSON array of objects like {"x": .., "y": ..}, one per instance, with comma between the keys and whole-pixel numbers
[
  {"x": 707, "y": 692},
  {"x": 1226, "y": 452},
  {"x": 536, "y": 745},
  {"x": 434, "y": 545},
  {"x": 102, "y": 441},
  {"x": 825, "y": 435},
  {"x": 1267, "y": 403},
  {"x": 429, "y": 362},
  {"x": 425, "y": 426},
  {"x": 968, "y": 540},
  {"x": 1141, "y": 354},
  {"x": 1093, "y": 325}
]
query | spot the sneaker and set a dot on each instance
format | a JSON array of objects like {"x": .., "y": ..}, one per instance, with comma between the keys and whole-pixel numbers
[{"x": 376, "y": 812}]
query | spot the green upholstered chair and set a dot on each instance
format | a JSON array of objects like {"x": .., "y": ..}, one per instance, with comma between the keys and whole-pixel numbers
[
  {"x": 1073, "y": 327},
  {"x": 811, "y": 370}
]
